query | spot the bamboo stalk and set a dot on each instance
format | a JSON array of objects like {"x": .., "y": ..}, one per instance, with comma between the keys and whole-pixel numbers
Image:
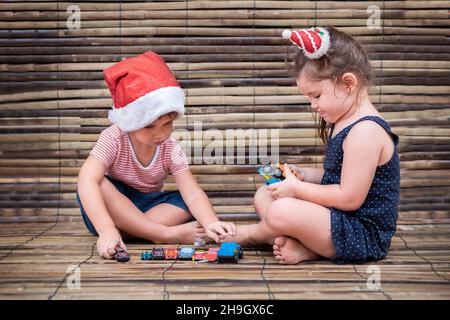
[
  {"x": 192, "y": 22},
  {"x": 329, "y": 5},
  {"x": 220, "y": 14}
]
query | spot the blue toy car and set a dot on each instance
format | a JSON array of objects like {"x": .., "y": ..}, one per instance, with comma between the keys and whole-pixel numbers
[
  {"x": 146, "y": 255},
  {"x": 229, "y": 252},
  {"x": 186, "y": 253}
]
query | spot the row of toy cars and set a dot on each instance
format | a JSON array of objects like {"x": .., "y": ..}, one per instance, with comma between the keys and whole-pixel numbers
[{"x": 228, "y": 252}]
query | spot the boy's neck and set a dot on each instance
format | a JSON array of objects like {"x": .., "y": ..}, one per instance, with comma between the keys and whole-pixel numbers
[{"x": 143, "y": 152}]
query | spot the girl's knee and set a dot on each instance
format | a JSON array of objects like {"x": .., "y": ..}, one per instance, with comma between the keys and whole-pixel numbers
[
  {"x": 260, "y": 194},
  {"x": 278, "y": 214},
  {"x": 262, "y": 198}
]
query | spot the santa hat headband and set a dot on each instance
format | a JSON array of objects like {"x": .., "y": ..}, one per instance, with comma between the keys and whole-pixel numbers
[
  {"x": 143, "y": 89},
  {"x": 314, "y": 42}
]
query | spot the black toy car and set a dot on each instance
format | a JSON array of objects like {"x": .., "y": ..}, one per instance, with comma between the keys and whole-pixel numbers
[
  {"x": 158, "y": 253},
  {"x": 121, "y": 255}
]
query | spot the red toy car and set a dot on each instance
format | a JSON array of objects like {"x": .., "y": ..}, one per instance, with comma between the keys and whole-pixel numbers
[
  {"x": 211, "y": 255},
  {"x": 171, "y": 253},
  {"x": 199, "y": 255}
]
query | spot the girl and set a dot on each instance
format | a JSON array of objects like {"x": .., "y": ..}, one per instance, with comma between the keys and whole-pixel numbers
[
  {"x": 347, "y": 211},
  {"x": 119, "y": 185}
]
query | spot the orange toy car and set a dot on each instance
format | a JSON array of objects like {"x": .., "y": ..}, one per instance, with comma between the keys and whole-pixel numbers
[{"x": 170, "y": 253}]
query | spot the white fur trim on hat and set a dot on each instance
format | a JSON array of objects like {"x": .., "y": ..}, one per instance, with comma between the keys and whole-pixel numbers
[{"x": 148, "y": 108}]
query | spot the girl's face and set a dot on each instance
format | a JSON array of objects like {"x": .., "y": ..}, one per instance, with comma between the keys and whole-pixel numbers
[
  {"x": 330, "y": 101},
  {"x": 156, "y": 132}
]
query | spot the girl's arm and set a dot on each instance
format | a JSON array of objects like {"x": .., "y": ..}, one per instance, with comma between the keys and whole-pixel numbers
[
  {"x": 312, "y": 175},
  {"x": 91, "y": 174},
  {"x": 201, "y": 208},
  {"x": 358, "y": 169}
]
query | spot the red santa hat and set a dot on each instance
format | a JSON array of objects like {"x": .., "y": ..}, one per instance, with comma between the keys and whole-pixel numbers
[
  {"x": 314, "y": 42},
  {"x": 142, "y": 88}
]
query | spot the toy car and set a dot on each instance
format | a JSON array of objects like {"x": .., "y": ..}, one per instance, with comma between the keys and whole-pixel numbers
[
  {"x": 121, "y": 255},
  {"x": 229, "y": 252},
  {"x": 186, "y": 253},
  {"x": 171, "y": 253},
  {"x": 146, "y": 255},
  {"x": 199, "y": 255},
  {"x": 199, "y": 242},
  {"x": 274, "y": 174},
  {"x": 158, "y": 253},
  {"x": 211, "y": 255}
]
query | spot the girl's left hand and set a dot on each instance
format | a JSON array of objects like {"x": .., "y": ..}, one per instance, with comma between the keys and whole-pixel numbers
[{"x": 287, "y": 188}]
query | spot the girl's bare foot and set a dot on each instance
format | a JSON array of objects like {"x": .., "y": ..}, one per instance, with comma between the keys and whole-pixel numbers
[
  {"x": 187, "y": 233},
  {"x": 290, "y": 251},
  {"x": 241, "y": 237}
]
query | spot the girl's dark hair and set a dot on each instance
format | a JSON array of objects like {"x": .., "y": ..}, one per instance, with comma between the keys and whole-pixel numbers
[{"x": 344, "y": 55}]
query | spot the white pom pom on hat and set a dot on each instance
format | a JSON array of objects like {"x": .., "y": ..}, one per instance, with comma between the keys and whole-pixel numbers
[
  {"x": 314, "y": 41},
  {"x": 286, "y": 34}
]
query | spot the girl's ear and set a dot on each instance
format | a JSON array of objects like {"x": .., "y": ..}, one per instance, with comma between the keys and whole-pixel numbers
[{"x": 350, "y": 82}]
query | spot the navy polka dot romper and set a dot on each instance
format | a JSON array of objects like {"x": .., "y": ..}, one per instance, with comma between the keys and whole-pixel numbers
[{"x": 364, "y": 234}]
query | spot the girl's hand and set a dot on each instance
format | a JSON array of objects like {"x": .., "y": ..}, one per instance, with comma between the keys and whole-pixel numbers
[
  {"x": 297, "y": 172},
  {"x": 286, "y": 188},
  {"x": 108, "y": 241},
  {"x": 219, "y": 230}
]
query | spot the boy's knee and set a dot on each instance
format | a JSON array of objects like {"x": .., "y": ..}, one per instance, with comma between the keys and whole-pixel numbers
[{"x": 277, "y": 215}]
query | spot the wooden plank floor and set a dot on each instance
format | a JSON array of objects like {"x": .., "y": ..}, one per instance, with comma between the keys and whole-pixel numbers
[{"x": 37, "y": 260}]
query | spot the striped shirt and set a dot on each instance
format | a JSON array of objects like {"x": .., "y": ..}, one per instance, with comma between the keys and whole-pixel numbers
[{"x": 115, "y": 151}]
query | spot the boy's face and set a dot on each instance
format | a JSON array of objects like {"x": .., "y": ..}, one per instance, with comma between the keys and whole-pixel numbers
[
  {"x": 330, "y": 101},
  {"x": 156, "y": 132}
]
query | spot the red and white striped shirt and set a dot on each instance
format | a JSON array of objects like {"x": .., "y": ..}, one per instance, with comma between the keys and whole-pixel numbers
[{"x": 115, "y": 151}]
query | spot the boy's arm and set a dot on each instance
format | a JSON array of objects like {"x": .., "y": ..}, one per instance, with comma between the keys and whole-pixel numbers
[
  {"x": 200, "y": 206},
  {"x": 91, "y": 174}
]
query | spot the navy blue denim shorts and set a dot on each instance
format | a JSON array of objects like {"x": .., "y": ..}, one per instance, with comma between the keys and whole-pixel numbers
[{"x": 143, "y": 201}]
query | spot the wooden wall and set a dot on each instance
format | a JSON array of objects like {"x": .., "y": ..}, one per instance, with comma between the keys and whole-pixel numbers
[{"x": 228, "y": 55}]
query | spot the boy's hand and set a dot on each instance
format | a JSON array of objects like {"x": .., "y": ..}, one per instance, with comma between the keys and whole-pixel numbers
[
  {"x": 286, "y": 188},
  {"x": 107, "y": 242},
  {"x": 219, "y": 230}
]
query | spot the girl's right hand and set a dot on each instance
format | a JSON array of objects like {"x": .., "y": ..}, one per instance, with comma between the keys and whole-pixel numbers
[{"x": 108, "y": 240}]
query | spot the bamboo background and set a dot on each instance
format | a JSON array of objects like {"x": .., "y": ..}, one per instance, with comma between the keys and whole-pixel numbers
[{"x": 229, "y": 57}]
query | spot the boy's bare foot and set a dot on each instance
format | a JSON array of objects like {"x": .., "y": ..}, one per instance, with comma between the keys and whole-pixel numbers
[
  {"x": 290, "y": 251},
  {"x": 187, "y": 233}
]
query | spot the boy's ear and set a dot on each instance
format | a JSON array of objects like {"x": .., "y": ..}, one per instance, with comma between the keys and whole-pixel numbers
[{"x": 350, "y": 81}]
